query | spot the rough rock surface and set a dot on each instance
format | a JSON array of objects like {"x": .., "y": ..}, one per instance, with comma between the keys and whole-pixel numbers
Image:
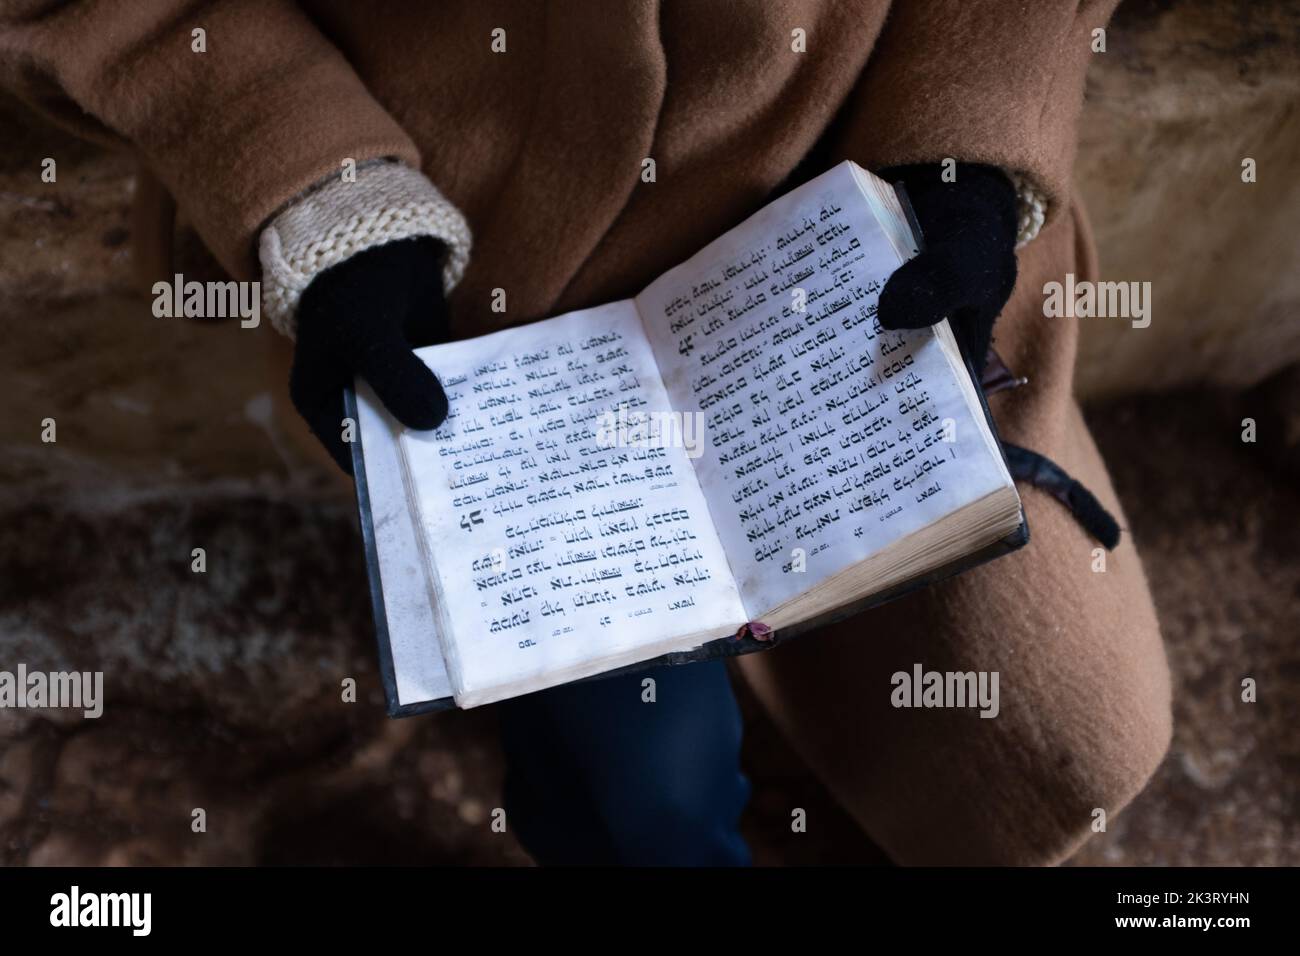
[{"x": 1184, "y": 93}]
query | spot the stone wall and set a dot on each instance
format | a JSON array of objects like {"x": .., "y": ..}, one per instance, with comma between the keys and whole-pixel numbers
[{"x": 1185, "y": 92}]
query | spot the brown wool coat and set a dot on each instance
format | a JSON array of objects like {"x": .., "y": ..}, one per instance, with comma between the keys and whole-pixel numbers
[{"x": 541, "y": 148}]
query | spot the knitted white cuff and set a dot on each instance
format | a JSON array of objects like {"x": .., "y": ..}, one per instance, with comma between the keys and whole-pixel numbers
[
  {"x": 1031, "y": 208},
  {"x": 386, "y": 202}
]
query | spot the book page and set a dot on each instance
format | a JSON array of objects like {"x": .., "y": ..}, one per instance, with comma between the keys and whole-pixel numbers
[
  {"x": 827, "y": 436},
  {"x": 557, "y": 541},
  {"x": 419, "y": 672}
]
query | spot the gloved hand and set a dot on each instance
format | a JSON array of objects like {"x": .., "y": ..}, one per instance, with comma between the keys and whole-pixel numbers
[
  {"x": 363, "y": 317},
  {"x": 968, "y": 266}
]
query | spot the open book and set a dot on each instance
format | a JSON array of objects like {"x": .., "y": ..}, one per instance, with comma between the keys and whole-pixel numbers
[{"x": 737, "y": 454}]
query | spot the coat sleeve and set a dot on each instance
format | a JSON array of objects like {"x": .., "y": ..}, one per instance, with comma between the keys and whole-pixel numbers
[
  {"x": 235, "y": 133},
  {"x": 989, "y": 81}
]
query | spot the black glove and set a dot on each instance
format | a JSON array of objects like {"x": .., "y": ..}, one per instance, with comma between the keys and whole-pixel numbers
[
  {"x": 968, "y": 266},
  {"x": 363, "y": 317}
]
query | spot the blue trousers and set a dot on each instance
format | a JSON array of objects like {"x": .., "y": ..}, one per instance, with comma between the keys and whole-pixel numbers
[{"x": 595, "y": 774}]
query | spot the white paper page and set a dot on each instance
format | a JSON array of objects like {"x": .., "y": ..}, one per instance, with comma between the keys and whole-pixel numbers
[
  {"x": 826, "y": 434},
  {"x": 418, "y": 668},
  {"x": 551, "y": 549}
]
